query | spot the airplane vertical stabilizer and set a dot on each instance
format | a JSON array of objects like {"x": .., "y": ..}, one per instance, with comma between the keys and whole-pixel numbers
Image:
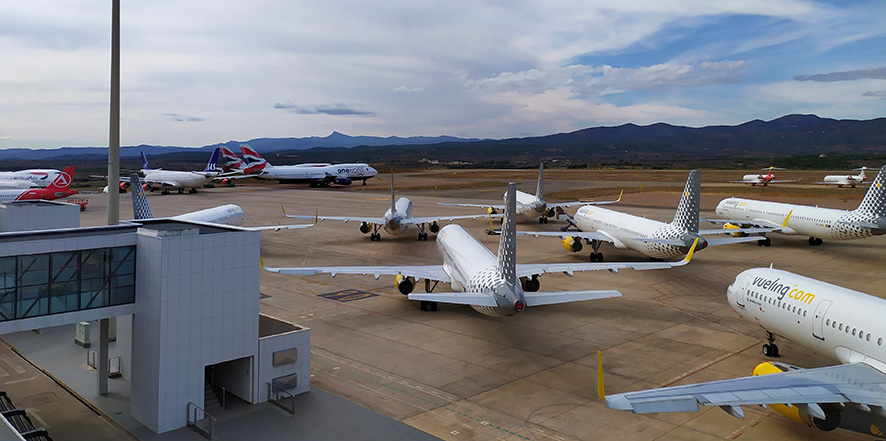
[
  {"x": 686, "y": 217},
  {"x": 540, "y": 189},
  {"x": 213, "y": 161},
  {"x": 140, "y": 207},
  {"x": 507, "y": 245},
  {"x": 145, "y": 165},
  {"x": 874, "y": 202}
]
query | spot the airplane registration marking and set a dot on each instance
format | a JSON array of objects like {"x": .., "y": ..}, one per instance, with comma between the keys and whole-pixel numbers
[{"x": 423, "y": 399}]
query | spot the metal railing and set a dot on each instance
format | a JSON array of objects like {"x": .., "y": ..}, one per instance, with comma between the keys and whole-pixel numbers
[
  {"x": 198, "y": 418},
  {"x": 274, "y": 397}
]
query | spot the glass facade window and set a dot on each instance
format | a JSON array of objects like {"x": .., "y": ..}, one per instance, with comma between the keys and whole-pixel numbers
[{"x": 52, "y": 283}]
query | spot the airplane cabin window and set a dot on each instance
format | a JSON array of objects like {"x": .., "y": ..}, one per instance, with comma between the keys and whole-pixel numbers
[
  {"x": 841, "y": 326},
  {"x": 868, "y": 337},
  {"x": 853, "y": 332},
  {"x": 827, "y": 322}
]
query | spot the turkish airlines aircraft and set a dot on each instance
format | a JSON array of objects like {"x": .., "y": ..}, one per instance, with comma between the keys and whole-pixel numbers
[
  {"x": 763, "y": 180},
  {"x": 841, "y": 324},
  {"x": 38, "y": 177},
  {"x": 228, "y": 214},
  {"x": 492, "y": 285},
  {"x": 396, "y": 220},
  {"x": 869, "y": 219},
  {"x": 657, "y": 240},
  {"x": 532, "y": 205},
  {"x": 841, "y": 180},
  {"x": 179, "y": 180},
  {"x": 60, "y": 187},
  {"x": 315, "y": 174}
]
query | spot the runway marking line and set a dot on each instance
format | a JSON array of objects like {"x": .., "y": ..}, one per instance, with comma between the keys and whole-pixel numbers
[{"x": 409, "y": 394}]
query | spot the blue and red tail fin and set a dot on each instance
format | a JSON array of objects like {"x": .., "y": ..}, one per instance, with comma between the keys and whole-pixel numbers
[
  {"x": 229, "y": 160},
  {"x": 254, "y": 162}
]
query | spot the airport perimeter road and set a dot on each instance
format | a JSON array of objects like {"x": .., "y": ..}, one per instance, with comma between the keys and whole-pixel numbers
[{"x": 460, "y": 375}]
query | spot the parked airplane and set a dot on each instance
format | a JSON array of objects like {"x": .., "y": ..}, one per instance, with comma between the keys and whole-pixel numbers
[
  {"x": 38, "y": 177},
  {"x": 314, "y": 174},
  {"x": 763, "y": 180},
  {"x": 59, "y": 187},
  {"x": 869, "y": 219},
  {"x": 836, "y": 322},
  {"x": 491, "y": 285},
  {"x": 657, "y": 240},
  {"x": 533, "y": 205},
  {"x": 179, "y": 180},
  {"x": 228, "y": 214},
  {"x": 841, "y": 180},
  {"x": 396, "y": 220}
]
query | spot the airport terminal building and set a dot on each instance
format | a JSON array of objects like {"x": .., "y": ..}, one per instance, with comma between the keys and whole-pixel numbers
[{"x": 185, "y": 297}]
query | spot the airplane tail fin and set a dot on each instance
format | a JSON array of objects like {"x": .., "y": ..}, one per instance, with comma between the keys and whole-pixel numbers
[
  {"x": 686, "y": 217},
  {"x": 254, "y": 162},
  {"x": 507, "y": 245},
  {"x": 213, "y": 161},
  {"x": 140, "y": 207},
  {"x": 145, "y": 165},
  {"x": 63, "y": 180},
  {"x": 393, "y": 199},
  {"x": 229, "y": 160},
  {"x": 874, "y": 202},
  {"x": 540, "y": 189}
]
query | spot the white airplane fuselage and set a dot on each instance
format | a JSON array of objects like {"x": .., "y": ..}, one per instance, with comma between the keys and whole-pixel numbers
[
  {"x": 837, "y": 322},
  {"x": 529, "y": 205},
  {"x": 229, "y": 214},
  {"x": 393, "y": 218},
  {"x": 625, "y": 230},
  {"x": 841, "y": 180},
  {"x": 292, "y": 173},
  {"x": 471, "y": 267},
  {"x": 182, "y": 179},
  {"x": 39, "y": 177},
  {"x": 824, "y": 223}
]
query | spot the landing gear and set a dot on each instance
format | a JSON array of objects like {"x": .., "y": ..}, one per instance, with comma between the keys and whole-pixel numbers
[
  {"x": 764, "y": 242},
  {"x": 542, "y": 220},
  {"x": 374, "y": 237},
  {"x": 364, "y": 182},
  {"x": 425, "y": 304},
  {"x": 770, "y": 349},
  {"x": 596, "y": 257},
  {"x": 815, "y": 241},
  {"x": 165, "y": 191},
  {"x": 422, "y": 236},
  {"x": 191, "y": 191},
  {"x": 181, "y": 190}
]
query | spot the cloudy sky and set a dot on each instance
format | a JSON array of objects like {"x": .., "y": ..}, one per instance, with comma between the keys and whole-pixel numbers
[{"x": 198, "y": 72}]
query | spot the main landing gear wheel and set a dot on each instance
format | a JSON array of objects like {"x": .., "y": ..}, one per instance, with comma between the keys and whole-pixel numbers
[
  {"x": 814, "y": 241},
  {"x": 374, "y": 237},
  {"x": 770, "y": 349},
  {"x": 596, "y": 257},
  {"x": 425, "y": 305},
  {"x": 764, "y": 242},
  {"x": 542, "y": 220},
  {"x": 422, "y": 236},
  {"x": 191, "y": 191}
]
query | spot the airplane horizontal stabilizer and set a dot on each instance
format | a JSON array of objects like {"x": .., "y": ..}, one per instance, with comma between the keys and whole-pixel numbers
[
  {"x": 738, "y": 230},
  {"x": 674, "y": 242},
  {"x": 553, "y": 297},
  {"x": 727, "y": 240},
  {"x": 459, "y": 298}
]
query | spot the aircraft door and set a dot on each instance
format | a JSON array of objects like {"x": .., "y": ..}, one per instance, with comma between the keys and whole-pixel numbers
[{"x": 818, "y": 319}]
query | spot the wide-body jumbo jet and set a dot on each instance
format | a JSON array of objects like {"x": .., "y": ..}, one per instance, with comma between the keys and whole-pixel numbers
[
  {"x": 492, "y": 285},
  {"x": 657, "y": 240},
  {"x": 841, "y": 324},
  {"x": 315, "y": 174},
  {"x": 395, "y": 221},
  {"x": 179, "y": 180},
  {"x": 869, "y": 219}
]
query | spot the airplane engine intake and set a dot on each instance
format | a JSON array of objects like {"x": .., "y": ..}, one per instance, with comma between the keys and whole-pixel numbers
[
  {"x": 551, "y": 212},
  {"x": 404, "y": 284},
  {"x": 530, "y": 284},
  {"x": 434, "y": 227},
  {"x": 343, "y": 181},
  {"x": 364, "y": 227},
  {"x": 572, "y": 244},
  {"x": 730, "y": 226}
]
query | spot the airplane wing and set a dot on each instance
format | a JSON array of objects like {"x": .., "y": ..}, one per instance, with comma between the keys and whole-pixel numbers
[
  {"x": 569, "y": 204},
  {"x": 550, "y": 298},
  {"x": 278, "y": 227},
  {"x": 450, "y": 204},
  {"x": 738, "y": 230},
  {"x": 173, "y": 184},
  {"x": 849, "y": 383},
  {"x": 590, "y": 235},
  {"x": 742, "y": 182},
  {"x": 783, "y": 181},
  {"x": 714, "y": 241},
  {"x": 428, "y": 220},
  {"x": 534, "y": 269},
  {"x": 460, "y": 298},
  {"x": 368, "y": 220},
  {"x": 430, "y": 272}
]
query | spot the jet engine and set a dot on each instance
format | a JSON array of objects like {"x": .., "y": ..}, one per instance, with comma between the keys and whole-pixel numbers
[
  {"x": 434, "y": 227},
  {"x": 404, "y": 284},
  {"x": 530, "y": 284},
  {"x": 491, "y": 210},
  {"x": 572, "y": 244},
  {"x": 341, "y": 180},
  {"x": 551, "y": 212},
  {"x": 364, "y": 227},
  {"x": 801, "y": 412},
  {"x": 730, "y": 226}
]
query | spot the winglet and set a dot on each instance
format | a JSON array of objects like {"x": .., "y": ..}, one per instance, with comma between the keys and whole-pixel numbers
[
  {"x": 691, "y": 251},
  {"x": 620, "y": 195},
  {"x": 317, "y": 216},
  {"x": 601, "y": 390},
  {"x": 283, "y": 208},
  {"x": 260, "y": 261},
  {"x": 786, "y": 219}
]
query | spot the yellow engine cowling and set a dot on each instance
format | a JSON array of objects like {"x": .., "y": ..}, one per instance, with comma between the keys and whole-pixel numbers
[
  {"x": 798, "y": 413},
  {"x": 491, "y": 210},
  {"x": 729, "y": 226},
  {"x": 572, "y": 244},
  {"x": 404, "y": 284}
]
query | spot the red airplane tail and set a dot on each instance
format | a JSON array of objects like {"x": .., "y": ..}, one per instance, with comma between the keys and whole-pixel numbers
[{"x": 61, "y": 186}]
